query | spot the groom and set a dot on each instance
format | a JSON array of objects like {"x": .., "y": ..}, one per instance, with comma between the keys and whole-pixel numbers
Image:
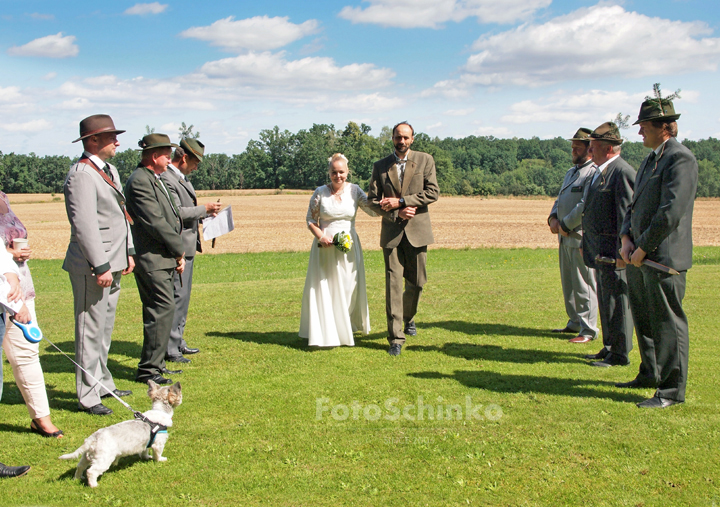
[{"x": 402, "y": 186}]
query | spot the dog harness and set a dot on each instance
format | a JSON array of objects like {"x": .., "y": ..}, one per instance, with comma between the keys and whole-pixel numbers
[{"x": 155, "y": 428}]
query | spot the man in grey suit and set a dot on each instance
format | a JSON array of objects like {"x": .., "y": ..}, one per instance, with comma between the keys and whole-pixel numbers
[
  {"x": 659, "y": 228},
  {"x": 185, "y": 161},
  {"x": 100, "y": 251},
  {"x": 606, "y": 203},
  {"x": 565, "y": 220},
  {"x": 159, "y": 253},
  {"x": 402, "y": 186}
]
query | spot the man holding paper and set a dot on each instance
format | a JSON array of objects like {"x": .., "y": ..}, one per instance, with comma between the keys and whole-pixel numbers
[{"x": 186, "y": 159}]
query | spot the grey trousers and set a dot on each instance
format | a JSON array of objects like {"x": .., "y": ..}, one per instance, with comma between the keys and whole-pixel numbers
[
  {"x": 579, "y": 292},
  {"x": 158, "y": 300},
  {"x": 404, "y": 262},
  {"x": 94, "y": 321},
  {"x": 662, "y": 328},
  {"x": 182, "y": 303}
]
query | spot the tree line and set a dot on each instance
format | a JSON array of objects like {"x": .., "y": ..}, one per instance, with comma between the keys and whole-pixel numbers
[{"x": 280, "y": 159}]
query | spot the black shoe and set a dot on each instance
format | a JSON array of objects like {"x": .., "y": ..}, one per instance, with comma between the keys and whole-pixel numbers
[
  {"x": 158, "y": 379},
  {"x": 98, "y": 409},
  {"x": 395, "y": 349},
  {"x": 612, "y": 360},
  {"x": 118, "y": 393},
  {"x": 37, "y": 429},
  {"x": 6, "y": 471},
  {"x": 165, "y": 371},
  {"x": 600, "y": 355},
  {"x": 563, "y": 330},
  {"x": 189, "y": 350},
  {"x": 177, "y": 359},
  {"x": 637, "y": 383},
  {"x": 410, "y": 329},
  {"x": 657, "y": 402}
]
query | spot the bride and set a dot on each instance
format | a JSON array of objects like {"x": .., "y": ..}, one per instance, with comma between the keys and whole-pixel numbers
[{"x": 334, "y": 303}]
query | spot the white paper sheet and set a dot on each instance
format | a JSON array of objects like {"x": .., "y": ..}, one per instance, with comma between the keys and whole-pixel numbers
[{"x": 214, "y": 227}]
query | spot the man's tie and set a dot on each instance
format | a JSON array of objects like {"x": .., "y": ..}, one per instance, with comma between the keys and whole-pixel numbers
[
  {"x": 106, "y": 170},
  {"x": 650, "y": 161}
]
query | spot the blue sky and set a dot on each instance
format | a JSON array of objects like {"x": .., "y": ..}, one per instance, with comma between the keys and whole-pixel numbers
[{"x": 453, "y": 68}]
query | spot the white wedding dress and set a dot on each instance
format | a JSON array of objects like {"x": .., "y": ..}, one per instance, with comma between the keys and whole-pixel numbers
[{"x": 334, "y": 303}]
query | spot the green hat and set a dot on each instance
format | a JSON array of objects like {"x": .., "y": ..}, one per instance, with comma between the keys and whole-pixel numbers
[
  {"x": 657, "y": 110},
  {"x": 151, "y": 141},
  {"x": 608, "y": 132},
  {"x": 583, "y": 134},
  {"x": 193, "y": 147}
]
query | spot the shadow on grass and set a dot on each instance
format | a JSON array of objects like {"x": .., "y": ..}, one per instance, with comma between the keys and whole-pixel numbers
[
  {"x": 65, "y": 400},
  {"x": 504, "y": 383},
  {"x": 54, "y": 362},
  {"x": 292, "y": 340},
  {"x": 475, "y": 328},
  {"x": 125, "y": 462},
  {"x": 497, "y": 353}
]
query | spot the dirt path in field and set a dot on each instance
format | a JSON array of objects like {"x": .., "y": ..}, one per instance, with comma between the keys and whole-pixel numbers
[{"x": 265, "y": 221}]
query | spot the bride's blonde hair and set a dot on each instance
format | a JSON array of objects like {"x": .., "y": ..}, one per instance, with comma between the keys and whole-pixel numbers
[{"x": 334, "y": 158}]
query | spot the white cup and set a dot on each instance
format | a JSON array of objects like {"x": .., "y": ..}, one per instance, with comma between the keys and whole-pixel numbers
[{"x": 20, "y": 243}]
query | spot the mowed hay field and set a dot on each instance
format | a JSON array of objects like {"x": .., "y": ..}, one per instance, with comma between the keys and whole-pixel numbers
[{"x": 267, "y": 221}]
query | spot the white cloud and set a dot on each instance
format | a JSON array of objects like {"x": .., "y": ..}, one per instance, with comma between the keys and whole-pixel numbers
[
  {"x": 588, "y": 109},
  {"x": 30, "y": 126},
  {"x": 42, "y": 17},
  {"x": 460, "y": 112},
  {"x": 258, "y": 34},
  {"x": 359, "y": 103},
  {"x": 49, "y": 76},
  {"x": 434, "y": 126},
  {"x": 52, "y": 46},
  {"x": 432, "y": 13},
  {"x": 604, "y": 40},
  {"x": 499, "y": 132},
  {"x": 271, "y": 72},
  {"x": 145, "y": 9}
]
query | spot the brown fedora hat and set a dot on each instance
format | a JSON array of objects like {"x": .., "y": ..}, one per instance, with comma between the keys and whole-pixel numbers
[{"x": 97, "y": 124}]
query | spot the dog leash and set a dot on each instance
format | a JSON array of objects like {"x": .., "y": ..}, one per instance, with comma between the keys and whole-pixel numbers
[{"x": 33, "y": 334}]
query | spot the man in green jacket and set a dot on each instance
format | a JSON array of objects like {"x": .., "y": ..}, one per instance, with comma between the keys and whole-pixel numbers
[{"x": 159, "y": 252}]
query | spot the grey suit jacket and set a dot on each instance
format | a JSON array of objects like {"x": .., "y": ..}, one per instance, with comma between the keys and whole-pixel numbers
[
  {"x": 568, "y": 207},
  {"x": 606, "y": 202},
  {"x": 184, "y": 194},
  {"x": 157, "y": 226},
  {"x": 100, "y": 238},
  {"x": 660, "y": 217},
  {"x": 419, "y": 189}
]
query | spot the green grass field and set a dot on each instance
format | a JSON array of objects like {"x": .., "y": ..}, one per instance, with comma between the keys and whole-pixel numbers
[{"x": 266, "y": 421}]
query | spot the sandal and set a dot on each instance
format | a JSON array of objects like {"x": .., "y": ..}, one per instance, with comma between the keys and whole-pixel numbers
[{"x": 40, "y": 431}]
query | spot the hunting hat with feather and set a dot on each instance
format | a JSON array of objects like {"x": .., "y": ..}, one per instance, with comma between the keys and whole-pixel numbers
[
  {"x": 658, "y": 108},
  {"x": 608, "y": 132},
  {"x": 583, "y": 134}
]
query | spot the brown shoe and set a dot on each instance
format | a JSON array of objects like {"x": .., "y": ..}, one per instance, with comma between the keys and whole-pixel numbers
[{"x": 580, "y": 339}]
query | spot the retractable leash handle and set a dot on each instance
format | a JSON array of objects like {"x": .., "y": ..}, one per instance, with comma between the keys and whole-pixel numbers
[
  {"x": 33, "y": 334},
  {"x": 30, "y": 330}
]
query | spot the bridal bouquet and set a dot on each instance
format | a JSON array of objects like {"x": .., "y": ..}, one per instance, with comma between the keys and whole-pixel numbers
[{"x": 342, "y": 241}]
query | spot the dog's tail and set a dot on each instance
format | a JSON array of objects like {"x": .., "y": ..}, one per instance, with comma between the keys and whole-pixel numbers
[{"x": 76, "y": 454}]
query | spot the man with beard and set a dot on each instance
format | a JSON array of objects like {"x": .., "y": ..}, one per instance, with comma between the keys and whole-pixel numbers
[
  {"x": 659, "y": 228},
  {"x": 402, "y": 186},
  {"x": 606, "y": 204},
  {"x": 565, "y": 220}
]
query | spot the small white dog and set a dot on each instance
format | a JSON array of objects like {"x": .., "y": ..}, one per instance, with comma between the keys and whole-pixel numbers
[{"x": 106, "y": 446}]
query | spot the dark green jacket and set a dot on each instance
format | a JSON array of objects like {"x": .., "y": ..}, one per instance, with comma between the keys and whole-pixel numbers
[{"x": 660, "y": 216}]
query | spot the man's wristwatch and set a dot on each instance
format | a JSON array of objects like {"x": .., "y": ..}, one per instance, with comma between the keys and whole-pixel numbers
[{"x": 401, "y": 202}]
